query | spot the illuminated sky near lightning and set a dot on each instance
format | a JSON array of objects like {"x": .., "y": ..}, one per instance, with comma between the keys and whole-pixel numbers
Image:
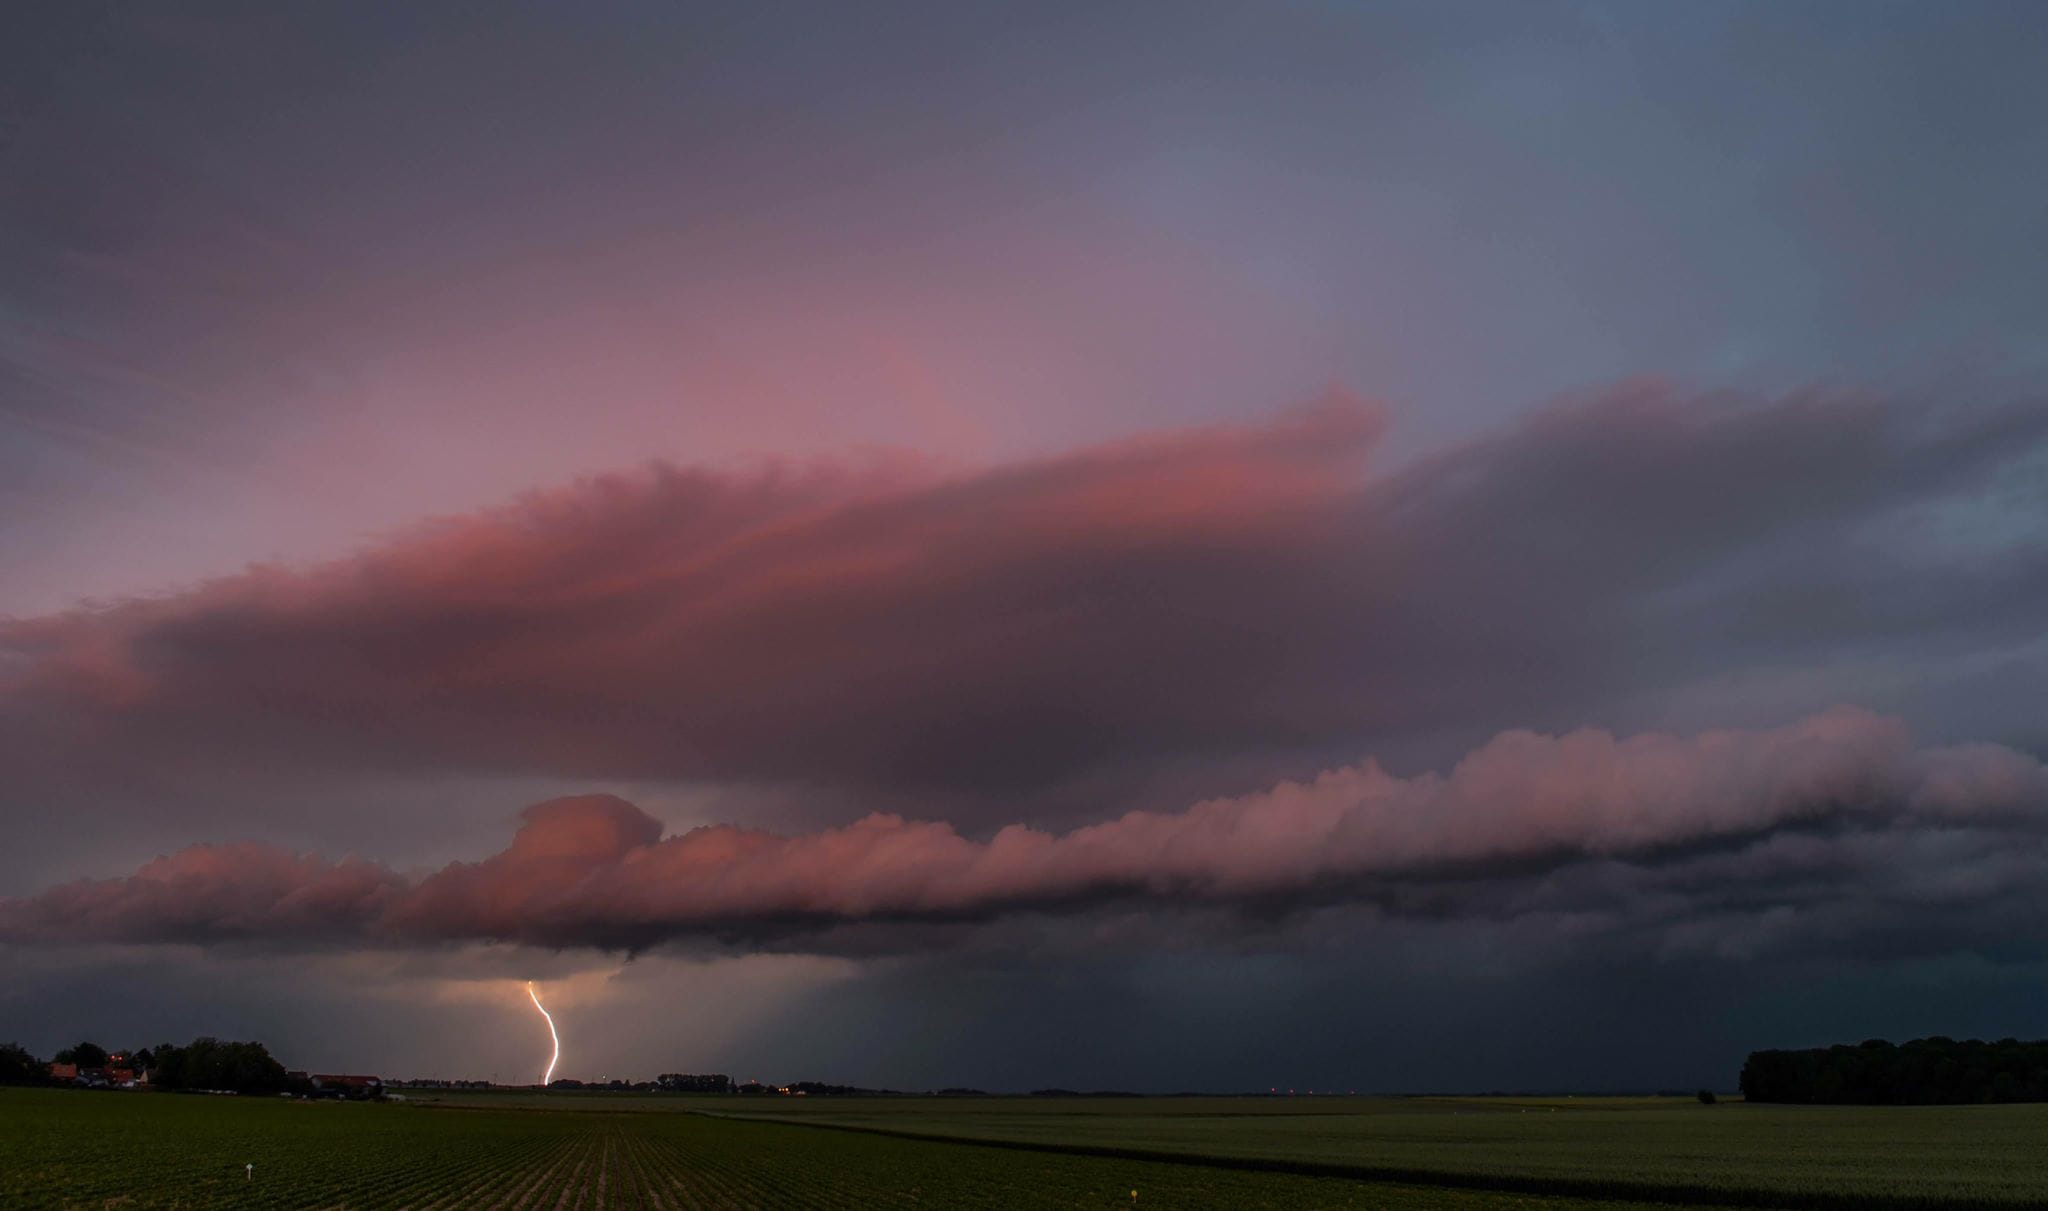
[{"x": 984, "y": 533}]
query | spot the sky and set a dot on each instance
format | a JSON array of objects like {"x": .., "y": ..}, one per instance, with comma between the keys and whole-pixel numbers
[{"x": 1157, "y": 546}]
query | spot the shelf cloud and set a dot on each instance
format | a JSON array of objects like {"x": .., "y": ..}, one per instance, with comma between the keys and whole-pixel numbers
[{"x": 595, "y": 871}]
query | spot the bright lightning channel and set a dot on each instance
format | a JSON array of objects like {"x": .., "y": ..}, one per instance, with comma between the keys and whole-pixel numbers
[{"x": 549, "y": 1075}]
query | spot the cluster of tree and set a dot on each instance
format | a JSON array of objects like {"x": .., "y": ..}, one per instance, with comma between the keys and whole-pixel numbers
[
  {"x": 18, "y": 1067},
  {"x": 205, "y": 1063},
  {"x": 1923, "y": 1072},
  {"x": 85, "y": 1055},
  {"x": 209, "y": 1063}
]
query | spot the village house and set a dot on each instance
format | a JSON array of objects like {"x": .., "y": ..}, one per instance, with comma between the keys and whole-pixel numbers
[{"x": 329, "y": 1084}]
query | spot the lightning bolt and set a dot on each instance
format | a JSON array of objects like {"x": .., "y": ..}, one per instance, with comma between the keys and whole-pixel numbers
[{"x": 549, "y": 1075}]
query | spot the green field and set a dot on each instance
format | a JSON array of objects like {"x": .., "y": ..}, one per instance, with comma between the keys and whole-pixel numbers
[
  {"x": 60, "y": 1148},
  {"x": 1663, "y": 1149}
]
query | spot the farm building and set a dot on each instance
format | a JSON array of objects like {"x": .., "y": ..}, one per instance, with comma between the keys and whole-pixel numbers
[
  {"x": 118, "y": 1076},
  {"x": 328, "y": 1084}
]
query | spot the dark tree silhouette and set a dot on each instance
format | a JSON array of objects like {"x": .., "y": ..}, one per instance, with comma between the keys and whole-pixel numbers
[
  {"x": 691, "y": 1082},
  {"x": 18, "y": 1067},
  {"x": 85, "y": 1055},
  {"x": 209, "y": 1063},
  {"x": 1935, "y": 1070}
]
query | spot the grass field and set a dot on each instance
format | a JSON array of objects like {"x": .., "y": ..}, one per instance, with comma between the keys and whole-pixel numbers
[{"x": 72, "y": 1149}]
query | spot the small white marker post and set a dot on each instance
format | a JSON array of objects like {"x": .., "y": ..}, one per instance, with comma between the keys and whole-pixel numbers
[{"x": 249, "y": 1173}]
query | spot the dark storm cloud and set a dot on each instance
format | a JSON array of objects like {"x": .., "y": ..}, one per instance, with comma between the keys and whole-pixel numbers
[
  {"x": 1189, "y": 597},
  {"x": 273, "y": 279},
  {"x": 875, "y": 625}
]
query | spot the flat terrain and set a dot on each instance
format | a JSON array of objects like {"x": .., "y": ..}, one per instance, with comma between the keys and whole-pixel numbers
[
  {"x": 1664, "y": 1149},
  {"x": 61, "y": 1148}
]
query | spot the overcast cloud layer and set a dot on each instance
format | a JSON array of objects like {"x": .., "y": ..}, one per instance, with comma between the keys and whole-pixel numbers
[
  {"x": 975, "y": 669},
  {"x": 873, "y": 481},
  {"x": 901, "y": 628}
]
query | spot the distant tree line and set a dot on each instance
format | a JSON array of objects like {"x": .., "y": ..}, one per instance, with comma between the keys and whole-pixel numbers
[
  {"x": 437, "y": 1082},
  {"x": 209, "y": 1063},
  {"x": 1933, "y": 1071},
  {"x": 694, "y": 1082},
  {"x": 717, "y": 1082},
  {"x": 617, "y": 1085},
  {"x": 204, "y": 1063}
]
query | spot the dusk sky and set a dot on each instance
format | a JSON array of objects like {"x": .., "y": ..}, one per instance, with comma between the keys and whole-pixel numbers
[{"x": 1439, "y": 546}]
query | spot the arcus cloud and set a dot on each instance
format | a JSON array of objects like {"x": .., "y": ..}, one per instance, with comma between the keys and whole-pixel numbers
[{"x": 597, "y": 872}]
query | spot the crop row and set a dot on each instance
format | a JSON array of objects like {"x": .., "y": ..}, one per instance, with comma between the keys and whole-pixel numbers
[{"x": 75, "y": 1150}]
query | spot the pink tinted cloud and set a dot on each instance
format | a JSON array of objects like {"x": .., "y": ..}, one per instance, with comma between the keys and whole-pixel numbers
[
  {"x": 216, "y": 893},
  {"x": 892, "y": 629},
  {"x": 596, "y": 871},
  {"x": 825, "y": 620}
]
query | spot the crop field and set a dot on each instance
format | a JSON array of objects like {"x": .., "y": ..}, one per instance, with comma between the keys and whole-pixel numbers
[
  {"x": 61, "y": 1148},
  {"x": 1670, "y": 1150}
]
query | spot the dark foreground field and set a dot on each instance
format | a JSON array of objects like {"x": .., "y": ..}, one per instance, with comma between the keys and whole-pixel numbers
[{"x": 61, "y": 1148}]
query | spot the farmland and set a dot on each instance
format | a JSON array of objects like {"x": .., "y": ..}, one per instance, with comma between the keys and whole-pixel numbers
[
  {"x": 65, "y": 1149},
  {"x": 1666, "y": 1149}
]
